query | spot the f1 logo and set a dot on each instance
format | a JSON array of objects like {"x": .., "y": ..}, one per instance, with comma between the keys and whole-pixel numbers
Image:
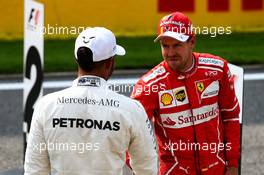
[{"x": 34, "y": 15}]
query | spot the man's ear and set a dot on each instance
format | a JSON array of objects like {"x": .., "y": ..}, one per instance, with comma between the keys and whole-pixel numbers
[
  {"x": 193, "y": 41},
  {"x": 109, "y": 62},
  {"x": 109, "y": 67}
]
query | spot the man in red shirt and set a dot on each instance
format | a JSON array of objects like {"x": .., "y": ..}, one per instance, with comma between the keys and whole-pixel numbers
[{"x": 190, "y": 98}]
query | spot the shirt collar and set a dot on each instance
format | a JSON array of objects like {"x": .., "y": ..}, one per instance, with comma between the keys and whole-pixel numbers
[{"x": 90, "y": 81}]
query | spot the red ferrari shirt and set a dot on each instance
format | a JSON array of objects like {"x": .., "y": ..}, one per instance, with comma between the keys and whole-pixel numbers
[{"x": 195, "y": 115}]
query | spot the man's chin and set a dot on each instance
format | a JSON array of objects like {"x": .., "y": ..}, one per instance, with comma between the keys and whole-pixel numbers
[{"x": 174, "y": 65}]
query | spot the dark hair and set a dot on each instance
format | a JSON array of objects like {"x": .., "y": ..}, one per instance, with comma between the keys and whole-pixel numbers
[{"x": 85, "y": 59}]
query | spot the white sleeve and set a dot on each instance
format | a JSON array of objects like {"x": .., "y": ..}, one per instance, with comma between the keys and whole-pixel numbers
[
  {"x": 36, "y": 159},
  {"x": 142, "y": 148}
]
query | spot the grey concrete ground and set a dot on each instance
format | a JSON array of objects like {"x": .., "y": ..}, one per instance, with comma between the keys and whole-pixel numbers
[{"x": 11, "y": 140}]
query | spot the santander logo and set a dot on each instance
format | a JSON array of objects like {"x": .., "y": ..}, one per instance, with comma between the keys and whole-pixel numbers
[
  {"x": 198, "y": 118},
  {"x": 168, "y": 121},
  {"x": 188, "y": 118}
]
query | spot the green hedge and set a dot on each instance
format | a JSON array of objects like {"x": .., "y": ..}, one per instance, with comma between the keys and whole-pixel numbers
[{"x": 142, "y": 52}]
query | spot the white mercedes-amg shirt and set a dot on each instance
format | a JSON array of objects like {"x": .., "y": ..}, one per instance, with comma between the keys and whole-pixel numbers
[{"x": 86, "y": 130}]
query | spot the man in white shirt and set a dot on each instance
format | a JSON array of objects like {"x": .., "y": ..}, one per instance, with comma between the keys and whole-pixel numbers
[{"x": 87, "y": 128}]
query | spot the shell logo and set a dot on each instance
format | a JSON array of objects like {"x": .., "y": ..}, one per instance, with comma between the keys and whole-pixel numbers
[{"x": 166, "y": 99}]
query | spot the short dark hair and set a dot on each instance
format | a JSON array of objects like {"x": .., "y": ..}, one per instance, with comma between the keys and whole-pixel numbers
[{"x": 85, "y": 59}]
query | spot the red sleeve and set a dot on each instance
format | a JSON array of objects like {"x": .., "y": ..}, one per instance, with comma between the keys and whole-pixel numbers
[
  {"x": 230, "y": 110},
  {"x": 128, "y": 160},
  {"x": 147, "y": 96}
]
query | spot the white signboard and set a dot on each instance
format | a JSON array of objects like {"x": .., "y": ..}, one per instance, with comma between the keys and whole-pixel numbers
[
  {"x": 33, "y": 59},
  {"x": 238, "y": 74}
]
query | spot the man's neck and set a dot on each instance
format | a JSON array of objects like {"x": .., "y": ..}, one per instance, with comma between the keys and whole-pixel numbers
[
  {"x": 92, "y": 73},
  {"x": 192, "y": 65}
]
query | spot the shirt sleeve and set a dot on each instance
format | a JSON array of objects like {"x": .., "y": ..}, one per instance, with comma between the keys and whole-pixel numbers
[
  {"x": 142, "y": 147},
  {"x": 36, "y": 159},
  {"x": 147, "y": 96},
  {"x": 229, "y": 108}
]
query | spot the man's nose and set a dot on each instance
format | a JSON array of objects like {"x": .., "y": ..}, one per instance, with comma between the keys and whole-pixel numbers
[{"x": 171, "y": 52}]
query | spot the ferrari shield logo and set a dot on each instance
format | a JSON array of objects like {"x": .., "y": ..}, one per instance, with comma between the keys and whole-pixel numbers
[{"x": 200, "y": 86}]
